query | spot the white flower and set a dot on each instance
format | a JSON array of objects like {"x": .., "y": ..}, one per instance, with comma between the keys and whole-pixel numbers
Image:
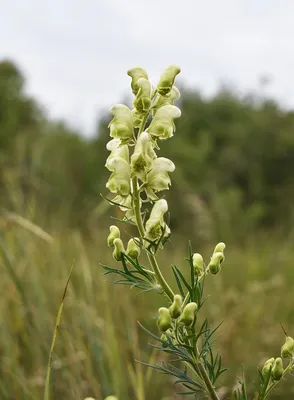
[
  {"x": 158, "y": 178},
  {"x": 162, "y": 125},
  {"x": 136, "y": 74},
  {"x": 141, "y": 160},
  {"x": 167, "y": 79},
  {"x": 121, "y": 126},
  {"x": 155, "y": 226}
]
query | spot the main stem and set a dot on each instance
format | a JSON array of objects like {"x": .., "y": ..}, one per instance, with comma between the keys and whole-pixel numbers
[
  {"x": 152, "y": 259},
  {"x": 205, "y": 377}
]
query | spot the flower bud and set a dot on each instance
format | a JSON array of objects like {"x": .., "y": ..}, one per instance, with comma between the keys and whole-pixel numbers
[
  {"x": 188, "y": 314},
  {"x": 121, "y": 126},
  {"x": 114, "y": 234},
  {"x": 162, "y": 126},
  {"x": 133, "y": 250},
  {"x": 287, "y": 350},
  {"x": 215, "y": 262},
  {"x": 155, "y": 224},
  {"x": 219, "y": 248},
  {"x": 111, "y": 398},
  {"x": 167, "y": 79},
  {"x": 164, "y": 319},
  {"x": 164, "y": 337},
  {"x": 118, "y": 249},
  {"x": 267, "y": 366},
  {"x": 136, "y": 74},
  {"x": 277, "y": 370},
  {"x": 142, "y": 101},
  {"x": 161, "y": 101},
  {"x": 197, "y": 260},
  {"x": 89, "y": 398},
  {"x": 175, "y": 309}
]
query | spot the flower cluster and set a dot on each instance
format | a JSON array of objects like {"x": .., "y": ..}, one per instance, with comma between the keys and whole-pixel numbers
[{"x": 137, "y": 173}]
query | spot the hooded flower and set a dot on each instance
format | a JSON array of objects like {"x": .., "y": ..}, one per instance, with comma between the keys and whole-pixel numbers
[
  {"x": 136, "y": 73},
  {"x": 162, "y": 125},
  {"x": 143, "y": 98},
  {"x": 155, "y": 226},
  {"x": 166, "y": 100},
  {"x": 121, "y": 126},
  {"x": 158, "y": 178},
  {"x": 167, "y": 79},
  {"x": 141, "y": 160}
]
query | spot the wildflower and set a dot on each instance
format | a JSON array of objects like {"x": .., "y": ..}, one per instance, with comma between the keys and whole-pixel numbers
[
  {"x": 155, "y": 226},
  {"x": 119, "y": 180},
  {"x": 162, "y": 126},
  {"x": 142, "y": 101},
  {"x": 215, "y": 262},
  {"x": 121, "y": 126},
  {"x": 118, "y": 249},
  {"x": 136, "y": 74},
  {"x": 175, "y": 309},
  {"x": 267, "y": 366},
  {"x": 133, "y": 250},
  {"x": 167, "y": 79},
  {"x": 277, "y": 370},
  {"x": 114, "y": 234},
  {"x": 164, "y": 319},
  {"x": 158, "y": 178},
  {"x": 287, "y": 350},
  {"x": 143, "y": 156},
  {"x": 188, "y": 314},
  {"x": 197, "y": 261},
  {"x": 161, "y": 101}
]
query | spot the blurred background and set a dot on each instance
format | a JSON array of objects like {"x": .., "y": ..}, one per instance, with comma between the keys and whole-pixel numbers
[{"x": 62, "y": 65}]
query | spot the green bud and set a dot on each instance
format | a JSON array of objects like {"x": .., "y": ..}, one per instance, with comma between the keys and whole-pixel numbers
[
  {"x": 287, "y": 350},
  {"x": 142, "y": 101},
  {"x": 89, "y": 398},
  {"x": 188, "y": 314},
  {"x": 111, "y": 398},
  {"x": 167, "y": 79},
  {"x": 175, "y": 309},
  {"x": 267, "y": 366},
  {"x": 136, "y": 74},
  {"x": 219, "y": 248},
  {"x": 133, "y": 250},
  {"x": 114, "y": 234},
  {"x": 118, "y": 249},
  {"x": 164, "y": 321},
  {"x": 197, "y": 263},
  {"x": 164, "y": 337},
  {"x": 215, "y": 262},
  {"x": 277, "y": 370}
]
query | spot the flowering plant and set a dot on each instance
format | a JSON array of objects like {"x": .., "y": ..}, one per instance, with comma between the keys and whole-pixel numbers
[{"x": 138, "y": 176}]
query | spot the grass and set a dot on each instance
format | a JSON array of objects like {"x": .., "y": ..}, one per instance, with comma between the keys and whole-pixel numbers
[{"x": 99, "y": 338}]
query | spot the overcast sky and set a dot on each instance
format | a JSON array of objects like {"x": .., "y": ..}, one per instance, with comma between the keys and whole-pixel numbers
[{"x": 75, "y": 53}]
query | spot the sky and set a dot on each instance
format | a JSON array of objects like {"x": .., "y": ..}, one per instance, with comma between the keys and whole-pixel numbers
[{"x": 75, "y": 54}]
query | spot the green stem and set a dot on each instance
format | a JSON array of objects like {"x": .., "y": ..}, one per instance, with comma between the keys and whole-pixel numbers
[
  {"x": 152, "y": 259},
  {"x": 205, "y": 377}
]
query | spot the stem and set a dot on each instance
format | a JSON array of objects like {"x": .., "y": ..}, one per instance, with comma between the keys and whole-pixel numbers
[
  {"x": 208, "y": 383},
  {"x": 152, "y": 260}
]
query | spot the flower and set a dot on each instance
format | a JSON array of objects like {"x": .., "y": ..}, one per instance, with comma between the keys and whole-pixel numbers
[
  {"x": 167, "y": 79},
  {"x": 136, "y": 74},
  {"x": 143, "y": 156},
  {"x": 121, "y": 126},
  {"x": 142, "y": 101},
  {"x": 155, "y": 226},
  {"x": 119, "y": 180},
  {"x": 162, "y": 125},
  {"x": 166, "y": 100},
  {"x": 158, "y": 178}
]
